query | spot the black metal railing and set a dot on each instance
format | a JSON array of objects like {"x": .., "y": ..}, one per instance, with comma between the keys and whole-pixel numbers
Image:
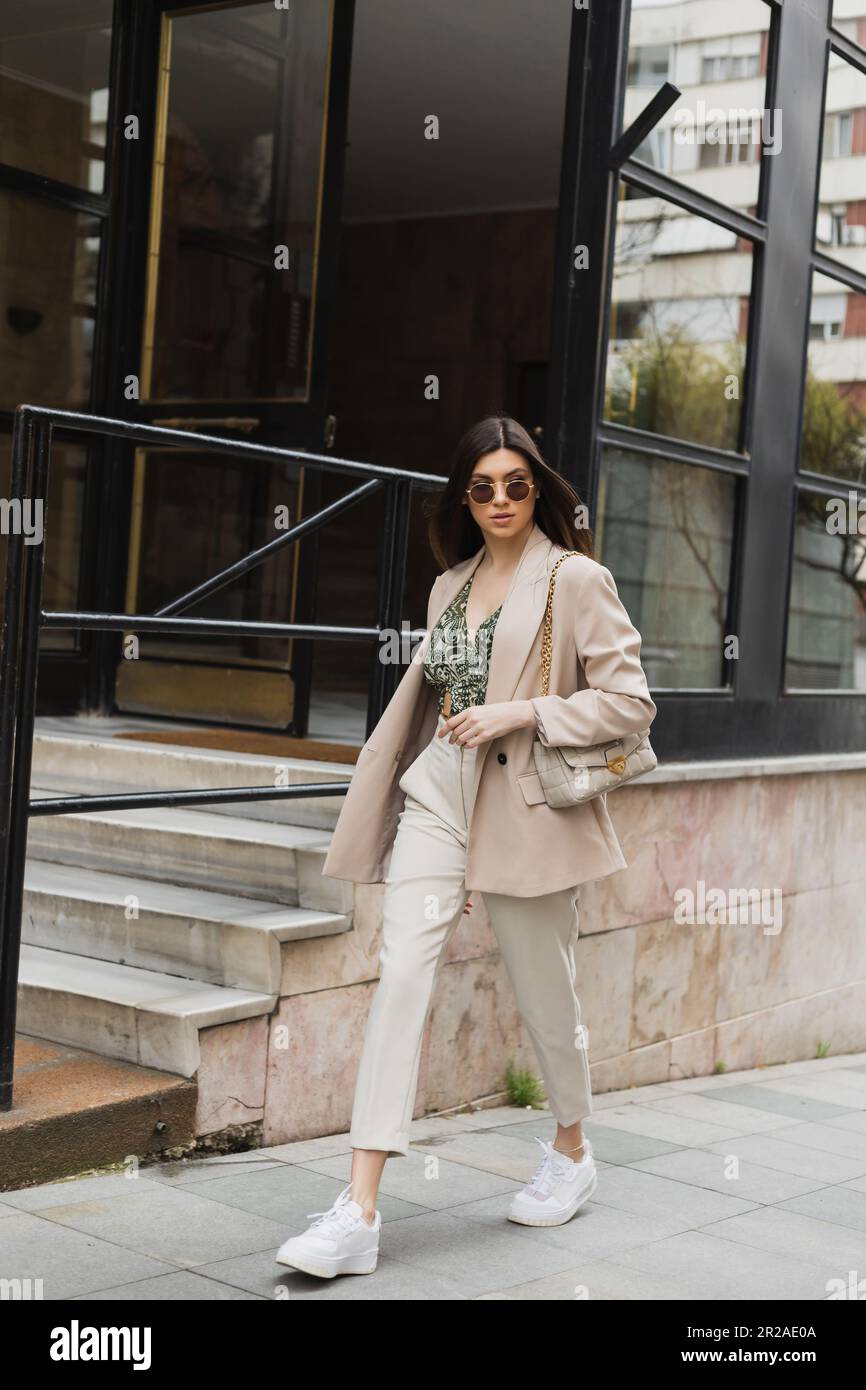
[{"x": 23, "y": 617}]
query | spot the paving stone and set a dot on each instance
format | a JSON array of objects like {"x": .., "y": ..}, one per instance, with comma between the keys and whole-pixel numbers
[
  {"x": 593, "y": 1233},
  {"x": 780, "y": 1102},
  {"x": 595, "y": 1282},
  {"x": 838, "y": 1087},
  {"x": 698, "y": 1263},
  {"x": 301, "y": 1149},
  {"x": 168, "y": 1224},
  {"x": 855, "y": 1120},
  {"x": 753, "y": 1182},
  {"x": 474, "y": 1257},
  {"x": 829, "y": 1247},
  {"x": 654, "y": 1196},
  {"x": 715, "y": 1110},
  {"x": 491, "y": 1151},
  {"x": 201, "y": 1170},
  {"x": 620, "y": 1146},
  {"x": 288, "y": 1193},
  {"x": 831, "y": 1139},
  {"x": 664, "y": 1223},
  {"x": 840, "y": 1205},
  {"x": 85, "y": 1189},
  {"x": 181, "y": 1287},
  {"x": 658, "y": 1124},
  {"x": 68, "y": 1261},
  {"x": 429, "y": 1181},
  {"x": 774, "y": 1151},
  {"x": 392, "y": 1280}
]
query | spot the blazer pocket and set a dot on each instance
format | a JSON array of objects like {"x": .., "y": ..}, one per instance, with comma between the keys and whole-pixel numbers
[{"x": 530, "y": 785}]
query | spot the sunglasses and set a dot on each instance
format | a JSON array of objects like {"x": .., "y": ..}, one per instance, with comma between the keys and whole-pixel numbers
[{"x": 518, "y": 489}]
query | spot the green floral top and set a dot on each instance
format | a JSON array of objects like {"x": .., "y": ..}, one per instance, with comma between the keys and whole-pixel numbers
[{"x": 458, "y": 660}]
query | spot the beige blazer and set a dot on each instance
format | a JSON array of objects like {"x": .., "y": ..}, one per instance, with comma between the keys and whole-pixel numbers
[{"x": 517, "y": 844}]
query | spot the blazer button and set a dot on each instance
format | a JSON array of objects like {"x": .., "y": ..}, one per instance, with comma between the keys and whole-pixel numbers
[{"x": 502, "y": 757}]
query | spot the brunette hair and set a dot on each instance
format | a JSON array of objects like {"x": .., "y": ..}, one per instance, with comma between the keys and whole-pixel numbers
[{"x": 453, "y": 532}]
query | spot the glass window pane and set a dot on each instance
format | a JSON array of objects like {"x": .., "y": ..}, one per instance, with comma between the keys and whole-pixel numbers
[
  {"x": 665, "y": 530},
  {"x": 429, "y": 268},
  {"x": 200, "y": 513},
  {"x": 61, "y": 525},
  {"x": 678, "y": 328},
  {"x": 826, "y": 648},
  {"x": 845, "y": 21},
  {"x": 54, "y": 61},
  {"x": 840, "y": 224},
  {"x": 242, "y": 148},
  {"x": 711, "y": 139},
  {"x": 833, "y": 441},
  {"x": 48, "y": 262}
]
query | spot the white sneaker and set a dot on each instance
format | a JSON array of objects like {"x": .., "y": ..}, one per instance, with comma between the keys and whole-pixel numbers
[
  {"x": 556, "y": 1189},
  {"x": 339, "y": 1241}
]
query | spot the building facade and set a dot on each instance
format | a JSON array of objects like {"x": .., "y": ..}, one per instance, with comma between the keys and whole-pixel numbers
[{"x": 358, "y": 227}]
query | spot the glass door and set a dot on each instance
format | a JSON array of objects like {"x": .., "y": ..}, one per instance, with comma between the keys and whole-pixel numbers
[{"x": 245, "y": 191}]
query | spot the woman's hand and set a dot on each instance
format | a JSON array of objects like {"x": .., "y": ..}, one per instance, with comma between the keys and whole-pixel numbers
[{"x": 481, "y": 723}]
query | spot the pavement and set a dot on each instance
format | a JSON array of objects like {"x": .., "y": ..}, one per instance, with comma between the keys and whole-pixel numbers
[{"x": 746, "y": 1185}]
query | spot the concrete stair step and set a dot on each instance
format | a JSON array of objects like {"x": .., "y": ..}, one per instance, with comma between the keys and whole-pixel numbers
[
  {"x": 230, "y": 853},
  {"x": 89, "y": 764},
  {"x": 217, "y": 940},
  {"x": 75, "y": 1110},
  {"x": 140, "y": 1016}
]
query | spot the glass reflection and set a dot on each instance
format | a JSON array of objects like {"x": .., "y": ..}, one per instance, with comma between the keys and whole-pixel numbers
[
  {"x": 54, "y": 61},
  {"x": 665, "y": 531},
  {"x": 826, "y": 645},
  {"x": 840, "y": 223},
  {"x": 717, "y": 55},
  {"x": 833, "y": 439},
  {"x": 61, "y": 521},
  {"x": 239, "y": 196},
  {"x": 48, "y": 263},
  {"x": 199, "y": 514},
  {"x": 678, "y": 327}
]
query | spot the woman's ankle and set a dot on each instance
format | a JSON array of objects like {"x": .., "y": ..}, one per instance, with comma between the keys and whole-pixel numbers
[
  {"x": 366, "y": 1203},
  {"x": 573, "y": 1151}
]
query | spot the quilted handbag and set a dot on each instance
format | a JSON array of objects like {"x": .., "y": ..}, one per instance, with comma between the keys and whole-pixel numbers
[{"x": 568, "y": 775}]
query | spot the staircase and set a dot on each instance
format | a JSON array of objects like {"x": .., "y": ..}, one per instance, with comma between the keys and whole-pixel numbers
[{"x": 142, "y": 928}]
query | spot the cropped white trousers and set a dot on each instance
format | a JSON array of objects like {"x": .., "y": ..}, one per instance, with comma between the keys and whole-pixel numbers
[{"x": 425, "y": 894}]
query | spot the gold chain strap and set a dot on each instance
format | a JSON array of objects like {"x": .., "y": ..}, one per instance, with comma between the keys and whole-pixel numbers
[{"x": 547, "y": 638}]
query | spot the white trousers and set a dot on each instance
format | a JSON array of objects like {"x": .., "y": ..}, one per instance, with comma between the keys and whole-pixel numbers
[{"x": 425, "y": 894}]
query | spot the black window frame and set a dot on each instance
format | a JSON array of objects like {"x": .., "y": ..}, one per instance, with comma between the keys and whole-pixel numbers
[
  {"x": 755, "y": 717},
  {"x": 64, "y": 671}
]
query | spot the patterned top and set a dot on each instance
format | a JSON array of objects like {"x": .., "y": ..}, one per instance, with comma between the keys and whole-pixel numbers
[{"x": 458, "y": 660}]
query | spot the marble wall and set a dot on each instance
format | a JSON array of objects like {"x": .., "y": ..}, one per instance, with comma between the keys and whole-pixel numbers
[{"x": 665, "y": 993}]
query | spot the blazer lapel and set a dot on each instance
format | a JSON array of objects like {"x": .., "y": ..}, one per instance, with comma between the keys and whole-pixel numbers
[
  {"x": 519, "y": 619},
  {"x": 522, "y": 611}
]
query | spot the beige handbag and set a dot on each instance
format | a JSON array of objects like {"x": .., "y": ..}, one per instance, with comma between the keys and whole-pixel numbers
[{"x": 569, "y": 776}]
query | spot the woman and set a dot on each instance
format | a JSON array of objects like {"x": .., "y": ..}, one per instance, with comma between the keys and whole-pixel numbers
[{"x": 445, "y": 800}]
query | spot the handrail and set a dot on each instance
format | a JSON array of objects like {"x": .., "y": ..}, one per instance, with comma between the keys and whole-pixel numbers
[
  {"x": 23, "y": 616},
  {"x": 258, "y": 557},
  {"x": 139, "y": 433},
  {"x": 224, "y": 627}
]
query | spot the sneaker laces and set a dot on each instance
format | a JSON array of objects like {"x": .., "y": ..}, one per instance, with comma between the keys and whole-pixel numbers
[
  {"x": 551, "y": 1167},
  {"x": 336, "y": 1219},
  {"x": 541, "y": 1182}
]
